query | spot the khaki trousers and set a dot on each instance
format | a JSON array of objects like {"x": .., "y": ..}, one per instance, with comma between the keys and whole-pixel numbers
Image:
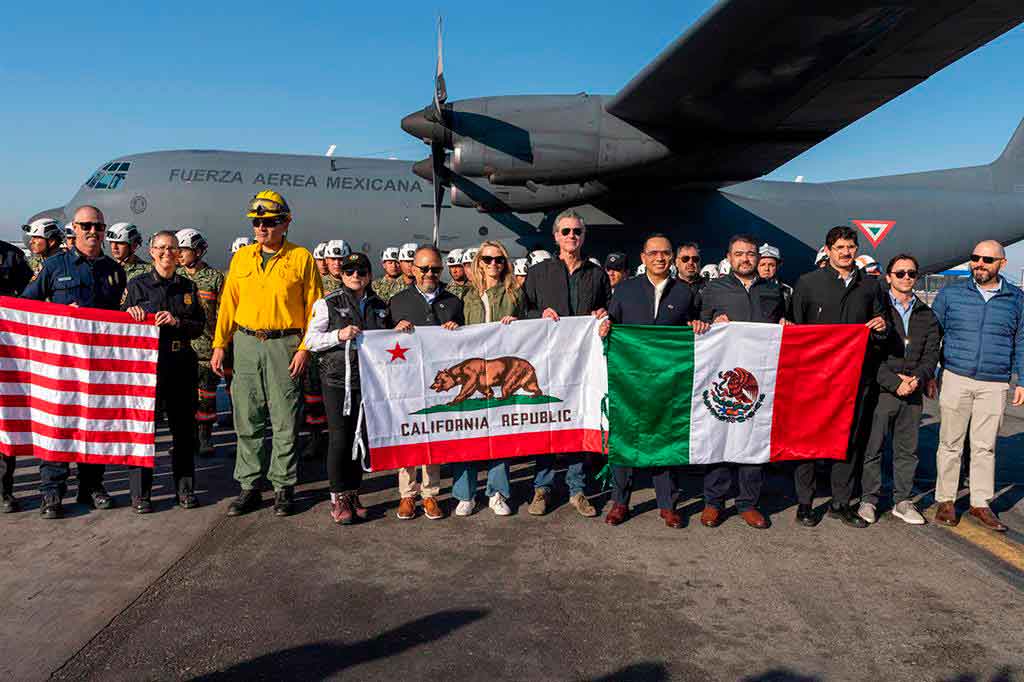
[
  {"x": 408, "y": 486},
  {"x": 980, "y": 404}
]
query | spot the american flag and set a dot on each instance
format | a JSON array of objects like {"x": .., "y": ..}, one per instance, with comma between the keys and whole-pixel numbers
[{"x": 76, "y": 384}]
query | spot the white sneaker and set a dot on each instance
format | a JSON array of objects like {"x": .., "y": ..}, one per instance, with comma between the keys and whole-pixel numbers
[
  {"x": 499, "y": 506},
  {"x": 908, "y": 512},
  {"x": 867, "y": 511},
  {"x": 465, "y": 508}
]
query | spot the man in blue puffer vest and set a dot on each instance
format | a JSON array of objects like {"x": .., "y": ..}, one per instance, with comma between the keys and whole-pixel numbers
[{"x": 983, "y": 322}]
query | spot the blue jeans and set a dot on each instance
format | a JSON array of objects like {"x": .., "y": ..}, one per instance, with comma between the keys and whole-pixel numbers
[
  {"x": 464, "y": 479},
  {"x": 575, "y": 475}
]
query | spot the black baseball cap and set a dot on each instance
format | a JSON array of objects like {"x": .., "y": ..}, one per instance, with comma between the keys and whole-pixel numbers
[
  {"x": 615, "y": 261},
  {"x": 356, "y": 260}
]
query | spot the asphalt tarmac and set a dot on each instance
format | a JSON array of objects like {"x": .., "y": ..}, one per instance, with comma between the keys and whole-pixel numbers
[{"x": 109, "y": 595}]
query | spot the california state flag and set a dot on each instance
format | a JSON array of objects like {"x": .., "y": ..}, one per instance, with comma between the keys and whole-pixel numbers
[
  {"x": 484, "y": 391},
  {"x": 742, "y": 392}
]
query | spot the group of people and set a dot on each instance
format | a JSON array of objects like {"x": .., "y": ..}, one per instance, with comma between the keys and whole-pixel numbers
[{"x": 283, "y": 321}]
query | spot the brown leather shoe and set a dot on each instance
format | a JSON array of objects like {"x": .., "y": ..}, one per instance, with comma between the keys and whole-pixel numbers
[
  {"x": 754, "y": 519},
  {"x": 945, "y": 514},
  {"x": 617, "y": 514},
  {"x": 407, "y": 508},
  {"x": 672, "y": 518},
  {"x": 431, "y": 509},
  {"x": 985, "y": 517},
  {"x": 711, "y": 517}
]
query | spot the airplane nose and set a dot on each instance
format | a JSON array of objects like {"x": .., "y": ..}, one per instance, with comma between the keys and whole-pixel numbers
[{"x": 418, "y": 125}]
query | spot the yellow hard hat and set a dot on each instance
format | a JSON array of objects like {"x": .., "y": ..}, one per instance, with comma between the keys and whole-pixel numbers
[{"x": 268, "y": 204}]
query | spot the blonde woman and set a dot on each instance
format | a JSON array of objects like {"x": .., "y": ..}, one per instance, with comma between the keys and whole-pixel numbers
[{"x": 493, "y": 297}]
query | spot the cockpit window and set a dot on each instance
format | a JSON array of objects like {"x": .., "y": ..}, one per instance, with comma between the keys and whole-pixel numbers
[{"x": 110, "y": 176}]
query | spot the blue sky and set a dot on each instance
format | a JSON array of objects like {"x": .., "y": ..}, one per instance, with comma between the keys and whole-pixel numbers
[{"x": 86, "y": 82}]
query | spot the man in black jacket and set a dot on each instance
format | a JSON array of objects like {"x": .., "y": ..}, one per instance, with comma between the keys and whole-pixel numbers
[
  {"x": 653, "y": 298},
  {"x": 426, "y": 304},
  {"x": 907, "y": 364},
  {"x": 839, "y": 293},
  {"x": 14, "y": 275},
  {"x": 567, "y": 285},
  {"x": 740, "y": 296},
  {"x": 688, "y": 271}
]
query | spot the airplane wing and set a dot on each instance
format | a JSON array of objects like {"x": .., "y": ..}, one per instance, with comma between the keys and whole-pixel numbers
[{"x": 754, "y": 83}]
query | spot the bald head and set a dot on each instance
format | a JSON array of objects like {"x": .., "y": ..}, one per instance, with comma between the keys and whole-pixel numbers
[
  {"x": 986, "y": 274},
  {"x": 88, "y": 214},
  {"x": 990, "y": 247},
  {"x": 89, "y": 230}
]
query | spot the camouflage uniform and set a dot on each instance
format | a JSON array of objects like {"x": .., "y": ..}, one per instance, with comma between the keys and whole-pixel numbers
[
  {"x": 330, "y": 283},
  {"x": 385, "y": 287},
  {"x": 36, "y": 262},
  {"x": 457, "y": 289},
  {"x": 210, "y": 283}
]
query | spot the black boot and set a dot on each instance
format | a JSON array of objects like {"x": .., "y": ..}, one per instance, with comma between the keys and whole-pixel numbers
[
  {"x": 247, "y": 501},
  {"x": 805, "y": 515},
  {"x": 283, "y": 501},
  {"x": 52, "y": 507},
  {"x": 9, "y": 503},
  {"x": 847, "y": 515}
]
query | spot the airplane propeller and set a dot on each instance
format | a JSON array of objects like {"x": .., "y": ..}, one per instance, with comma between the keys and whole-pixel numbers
[{"x": 437, "y": 150}]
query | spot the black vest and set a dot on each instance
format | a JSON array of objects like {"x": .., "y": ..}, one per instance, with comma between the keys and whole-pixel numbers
[{"x": 343, "y": 310}]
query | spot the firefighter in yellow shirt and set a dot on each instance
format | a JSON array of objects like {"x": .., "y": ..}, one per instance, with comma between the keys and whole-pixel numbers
[{"x": 266, "y": 304}]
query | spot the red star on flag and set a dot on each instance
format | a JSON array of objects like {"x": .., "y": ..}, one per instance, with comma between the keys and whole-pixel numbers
[{"x": 397, "y": 353}]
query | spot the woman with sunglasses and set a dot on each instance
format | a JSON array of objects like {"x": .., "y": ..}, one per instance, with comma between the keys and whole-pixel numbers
[
  {"x": 494, "y": 296},
  {"x": 338, "y": 318}
]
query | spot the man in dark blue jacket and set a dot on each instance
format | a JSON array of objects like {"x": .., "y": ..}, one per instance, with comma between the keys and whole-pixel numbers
[
  {"x": 653, "y": 298},
  {"x": 740, "y": 296},
  {"x": 81, "y": 276},
  {"x": 983, "y": 322}
]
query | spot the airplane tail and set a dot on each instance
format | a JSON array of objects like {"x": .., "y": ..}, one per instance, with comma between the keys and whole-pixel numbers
[{"x": 1011, "y": 160}]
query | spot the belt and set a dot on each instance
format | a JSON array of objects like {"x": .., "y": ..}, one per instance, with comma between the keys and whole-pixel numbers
[
  {"x": 264, "y": 334},
  {"x": 178, "y": 346}
]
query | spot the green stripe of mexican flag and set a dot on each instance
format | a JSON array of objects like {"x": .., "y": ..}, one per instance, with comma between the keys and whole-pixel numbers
[{"x": 742, "y": 392}]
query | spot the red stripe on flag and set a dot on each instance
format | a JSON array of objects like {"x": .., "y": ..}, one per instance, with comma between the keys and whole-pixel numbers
[
  {"x": 67, "y": 410},
  {"x": 64, "y": 433},
  {"x": 38, "y": 452},
  {"x": 91, "y": 364},
  {"x": 88, "y": 314},
  {"x": 493, "y": 447},
  {"x": 25, "y": 377},
  {"x": 82, "y": 338},
  {"x": 819, "y": 372}
]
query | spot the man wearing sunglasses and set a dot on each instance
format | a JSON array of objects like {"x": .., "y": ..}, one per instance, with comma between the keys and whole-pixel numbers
[
  {"x": 82, "y": 276},
  {"x": 266, "y": 305},
  {"x": 983, "y": 321},
  {"x": 567, "y": 285},
  {"x": 911, "y": 353},
  {"x": 425, "y": 304}
]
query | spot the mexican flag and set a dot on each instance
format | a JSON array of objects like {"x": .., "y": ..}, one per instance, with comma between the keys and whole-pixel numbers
[
  {"x": 742, "y": 392},
  {"x": 484, "y": 391}
]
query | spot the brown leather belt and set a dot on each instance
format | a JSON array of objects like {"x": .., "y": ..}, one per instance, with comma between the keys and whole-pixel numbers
[{"x": 264, "y": 334}]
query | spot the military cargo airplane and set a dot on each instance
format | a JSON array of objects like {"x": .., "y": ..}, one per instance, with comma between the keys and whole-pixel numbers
[{"x": 750, "y": 86}]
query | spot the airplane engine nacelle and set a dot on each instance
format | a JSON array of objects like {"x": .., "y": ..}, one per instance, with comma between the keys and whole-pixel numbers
[
  {"x": 550, "y": 139},
  {"x": 489, "y": 198}
]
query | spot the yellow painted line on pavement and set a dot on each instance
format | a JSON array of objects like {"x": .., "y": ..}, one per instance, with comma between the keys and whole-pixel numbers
[{"x": 996, "y": 544}]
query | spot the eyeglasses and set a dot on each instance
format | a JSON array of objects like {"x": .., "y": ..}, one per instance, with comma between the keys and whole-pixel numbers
[
  {"x": 578, "y": 231},
  {"x": 652, "y": 254},
  {"x": 430, "y": 268},
  {"x": 987, "y": 260},
  {"x": 266, "y": 222},
  {"x": 161, "y": 249},
  {"x": 351, "y": 272},
  {"x": 900, "y": 274},
  {"x": 687, "y": 259},
  {"x": 89, "y": 227},
  {"x": 497, "y": 260}
]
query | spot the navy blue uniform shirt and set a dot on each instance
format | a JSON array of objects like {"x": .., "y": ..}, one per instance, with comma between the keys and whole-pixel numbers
[{"x": 70, "y": 277}]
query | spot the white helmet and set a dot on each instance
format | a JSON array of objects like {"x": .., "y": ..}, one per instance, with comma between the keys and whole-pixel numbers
[
  {"x": 408, "y": 252},
  {"x": 454, "y": 257},
  {"x": 389, "y": 253},
  {"x": 318, "y": 252},
  {"x": 239, "y": 243},
  {"x": 69, "y": 230},
  {"x": 641, "y": 270},
  {"x": 769, "y": 251},
  {"x": 709, "y": 271},
  {"x": 868, "y": 264},
  {"x": 538, "y": 256},
  {"x": 822, "y": 255},
  {"x": 723, "y": 267},
  {"x": 191, "y": 238},
  {"x": 519, "y": 266},
  {"x": 47, "y": 228},
  {"x": 124, "y": 233},
  {"x": 336, "y": 248},
  {"x": 468, "y": 255}
]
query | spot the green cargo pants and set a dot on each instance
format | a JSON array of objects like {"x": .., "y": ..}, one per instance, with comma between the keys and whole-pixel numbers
[{"x": 262, "y": 387}]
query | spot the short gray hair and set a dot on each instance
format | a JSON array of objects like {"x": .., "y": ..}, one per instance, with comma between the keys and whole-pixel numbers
[{"x": 568, "y": 214}]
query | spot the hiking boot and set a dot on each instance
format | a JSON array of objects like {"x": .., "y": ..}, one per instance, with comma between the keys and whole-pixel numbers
[
  {"x": 206, "y": 448},
  {"x": 406, "y": 508},
  {"x": 142, "y": 505},
  {"x": 283, "y": 501},
  {"x": 539, "y": 505},
  {"x": 582, "y": 504},
  {"x": 908, "y": 512},
  {"x": 341, "y": 509},
  {"x": 431, "y": 509},
  {"x": 52, "y": 507},
  {"x": 97, "y": 498},
  {"x": 247, "y": 501},
  {"x": 188, "y": 500},
  {"x": 9, "y": 503}
]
